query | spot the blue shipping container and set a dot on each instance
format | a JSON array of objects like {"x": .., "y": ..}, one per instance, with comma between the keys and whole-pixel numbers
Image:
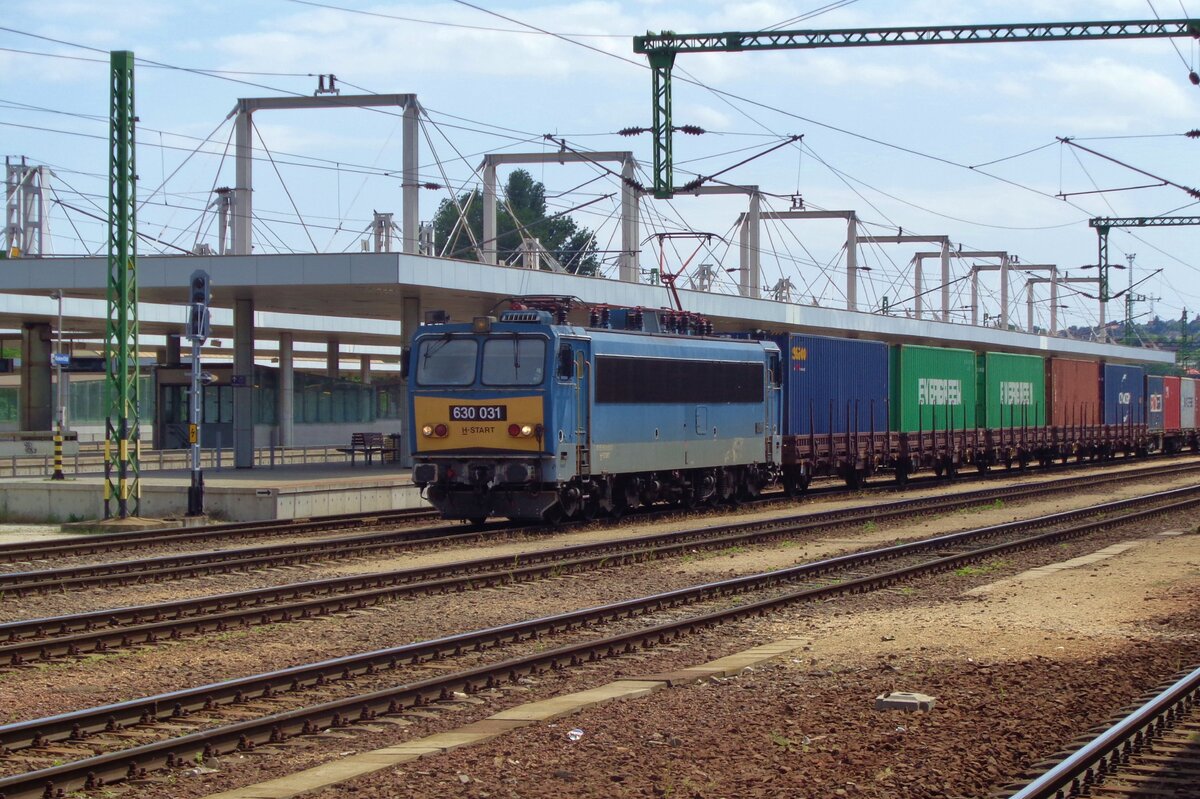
[
  {"x": 1124, "y": 394},
  {"x": 833, "y": 385},
  {"x": 1154, "y": 402}
]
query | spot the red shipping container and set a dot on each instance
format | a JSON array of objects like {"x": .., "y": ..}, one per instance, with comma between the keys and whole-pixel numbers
[
  {"x": 1171, "y": 396},
  {"x": 1073, "y": 392}
]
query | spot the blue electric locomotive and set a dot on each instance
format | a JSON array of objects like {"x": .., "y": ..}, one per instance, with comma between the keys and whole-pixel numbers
[{"x": 528, "y": 417}]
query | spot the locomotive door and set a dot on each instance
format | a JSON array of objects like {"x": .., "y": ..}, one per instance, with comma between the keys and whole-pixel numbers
[
  {"x": 583, "y": 407},
  {"x": 573, "y": 408}
]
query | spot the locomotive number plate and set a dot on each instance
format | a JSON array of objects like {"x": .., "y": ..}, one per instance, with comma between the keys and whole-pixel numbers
[{"x": 478, "y": 413}]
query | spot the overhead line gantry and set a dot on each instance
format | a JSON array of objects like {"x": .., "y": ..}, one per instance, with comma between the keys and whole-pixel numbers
[{"x": 661, "y": 49}]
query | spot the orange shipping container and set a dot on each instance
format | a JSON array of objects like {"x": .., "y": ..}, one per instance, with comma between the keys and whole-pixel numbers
[{"x": 1073, "y": 392}]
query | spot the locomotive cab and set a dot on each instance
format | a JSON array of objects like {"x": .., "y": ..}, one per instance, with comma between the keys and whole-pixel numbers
[{"x": 479, "y": 412}]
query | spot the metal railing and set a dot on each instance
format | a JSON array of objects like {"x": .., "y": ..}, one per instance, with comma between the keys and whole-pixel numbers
[{"x": 90, "y": 460}]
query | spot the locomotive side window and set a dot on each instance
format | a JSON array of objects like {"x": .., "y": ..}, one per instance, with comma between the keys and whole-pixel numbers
[
  {"x": 513, "y": 361},
  {"x": 566, "y": 362},
  {"x": 447, "y": 361},
  {"x": 665, "y": 380}
]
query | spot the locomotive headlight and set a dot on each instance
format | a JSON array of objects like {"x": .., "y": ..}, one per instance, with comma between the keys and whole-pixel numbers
[
  {"x": 526, "y": 431},
  {"x": 427, "y": 430}
]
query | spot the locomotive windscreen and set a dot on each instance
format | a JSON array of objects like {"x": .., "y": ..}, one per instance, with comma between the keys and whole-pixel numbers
[{"x": 664, "y": 380}]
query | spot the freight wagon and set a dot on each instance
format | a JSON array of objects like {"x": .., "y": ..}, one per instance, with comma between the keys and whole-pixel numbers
[{"x": 1171, "y": 413}]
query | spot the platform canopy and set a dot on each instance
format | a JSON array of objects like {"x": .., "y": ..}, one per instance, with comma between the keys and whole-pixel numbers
[{"x": 356, "y": 298}]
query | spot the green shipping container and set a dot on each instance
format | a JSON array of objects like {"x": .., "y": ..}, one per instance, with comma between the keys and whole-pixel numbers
[
  {"x": 1012, "y": 390},
  {"x": 932, "y": 389}
]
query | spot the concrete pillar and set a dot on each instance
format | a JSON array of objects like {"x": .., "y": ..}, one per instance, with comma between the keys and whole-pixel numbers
[
  {"x": 974, "y": 296},
  {"x": 244, "y": 178},
  {"x": 410, "y": 319},
  {"x": 285, "y": 398},
  {"x": 332, "y": 355},
  {"x": 946, "y": 281},
  {"x": 851, "y": 263},
  {"x": 1054, "y": 302},
  {"x": 411, "y": 192},
  {"x": 629, "y": 268},
  {"x": 36, "y": 408},
  {"x": 751, "y": 276},
  {"x": 918, "y": 289},
  {"x": 488, "y": 245},
  {"x": 243, "y": 383},
  {"x": 366, "y": 395},
  {"x": 1004, "y": 264}
]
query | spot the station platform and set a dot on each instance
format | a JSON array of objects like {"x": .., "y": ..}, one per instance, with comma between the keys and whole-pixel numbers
[{"x": 285, "y": 492}]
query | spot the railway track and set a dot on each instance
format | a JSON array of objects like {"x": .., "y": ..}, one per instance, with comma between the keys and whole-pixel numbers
[
  {"x": 212, "y": 533},
  {"x": 176, "y": 567},
  {"x": 38, "y": 640},
  {"x": 22, "y": 552},
  {"x": 305, "y": 699},
  {"x": 1152, "y": 751}
]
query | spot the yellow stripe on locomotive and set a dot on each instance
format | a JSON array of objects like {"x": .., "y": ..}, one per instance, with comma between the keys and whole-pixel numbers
[{"x": 449, "y": 424}]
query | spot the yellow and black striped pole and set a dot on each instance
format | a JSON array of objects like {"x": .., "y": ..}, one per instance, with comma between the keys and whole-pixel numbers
[{"x": 58, "y": 456}]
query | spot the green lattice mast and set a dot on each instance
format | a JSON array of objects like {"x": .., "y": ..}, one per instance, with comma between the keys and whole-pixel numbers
[{"x": 121, "y": 440}]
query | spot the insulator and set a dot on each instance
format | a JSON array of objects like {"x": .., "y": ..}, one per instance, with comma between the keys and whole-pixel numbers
[
  {"x": 594, "y": 318},
  {"x": 691, "y": 130},
  {"x": 632, "y": 131}
]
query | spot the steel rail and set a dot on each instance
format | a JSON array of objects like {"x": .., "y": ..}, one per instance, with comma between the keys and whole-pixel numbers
[
  {"x": 241, "y": 559},
  {"x": 105, "y": 542},
  {"x": 1089, "y": 765},
  {"x": 98, "y": 631},
  {"x": 96, "y": 771},
  {"x": 89, "y": 544},
  {"x": 65, "y": 726}
]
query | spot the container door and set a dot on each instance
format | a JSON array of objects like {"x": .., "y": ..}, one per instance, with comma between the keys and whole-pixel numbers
[{"x": 1155, "y": 397}]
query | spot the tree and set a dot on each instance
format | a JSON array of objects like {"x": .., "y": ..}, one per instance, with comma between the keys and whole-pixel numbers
[{"x": 525, "y": 199}]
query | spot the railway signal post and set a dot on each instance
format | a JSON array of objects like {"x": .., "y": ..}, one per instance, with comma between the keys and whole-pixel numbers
[{"x": 197, "y": 333}]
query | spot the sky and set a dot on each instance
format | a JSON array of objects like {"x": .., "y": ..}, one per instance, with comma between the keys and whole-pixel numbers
[{"x": 956, "y": 140}]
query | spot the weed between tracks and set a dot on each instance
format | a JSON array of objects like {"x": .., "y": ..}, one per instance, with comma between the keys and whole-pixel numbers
[{"x": 991, "y": 567}]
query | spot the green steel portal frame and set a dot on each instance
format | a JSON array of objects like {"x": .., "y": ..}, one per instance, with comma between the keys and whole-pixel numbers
[
  {"x": 122, "y": 434},
  {"x": 1103, "y": 224},
  {"x": 661, "y": 50}
]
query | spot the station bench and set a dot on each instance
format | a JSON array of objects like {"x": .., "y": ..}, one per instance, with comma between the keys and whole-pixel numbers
[{"x": 366, "y": 444}]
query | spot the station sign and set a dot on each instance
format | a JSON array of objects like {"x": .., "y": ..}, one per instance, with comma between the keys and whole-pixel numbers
[{"x": 60, "y": 359}]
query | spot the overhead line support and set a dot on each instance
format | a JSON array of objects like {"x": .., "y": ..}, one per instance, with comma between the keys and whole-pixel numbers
[
  {"x": 122, "y": 488},
  {"x": 661, "y": 50}
]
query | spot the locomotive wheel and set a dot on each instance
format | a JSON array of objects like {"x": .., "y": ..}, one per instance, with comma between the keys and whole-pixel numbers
[{"x": 589, "y": 509}]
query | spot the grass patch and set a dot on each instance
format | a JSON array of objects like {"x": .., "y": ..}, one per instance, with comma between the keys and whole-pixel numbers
[{"x": 990, "y": 567}]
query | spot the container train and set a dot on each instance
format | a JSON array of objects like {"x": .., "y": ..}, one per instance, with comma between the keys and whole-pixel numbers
[{"x": 527, "y": 416}]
